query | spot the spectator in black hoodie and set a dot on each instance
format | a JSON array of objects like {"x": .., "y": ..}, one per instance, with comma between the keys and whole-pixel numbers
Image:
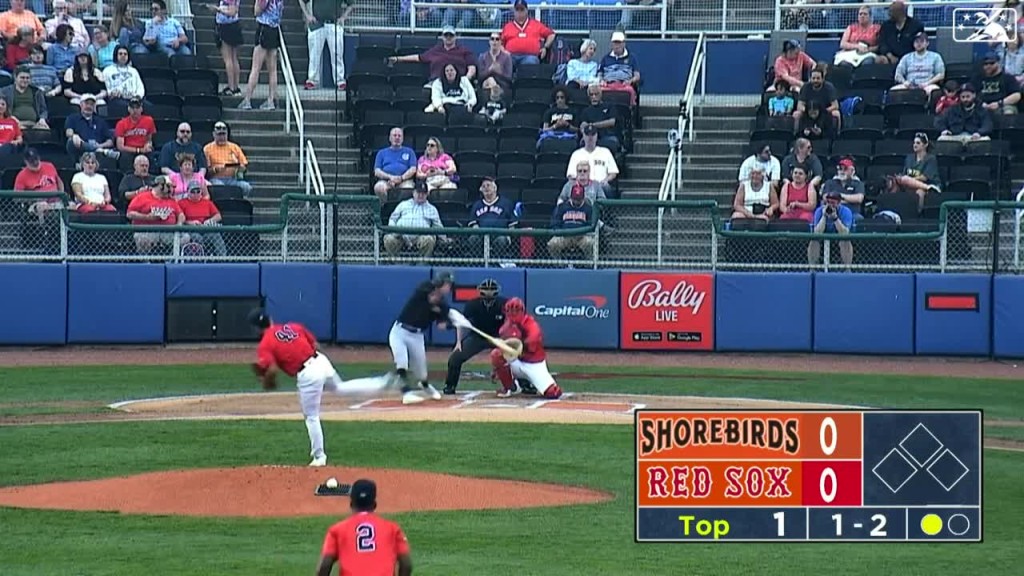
[
  {"x": 967, "y": 121},
  {"x": 896, "y": 35}
]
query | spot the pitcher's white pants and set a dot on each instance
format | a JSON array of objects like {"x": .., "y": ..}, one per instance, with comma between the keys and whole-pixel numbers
[{"x": 334, "y": 36}]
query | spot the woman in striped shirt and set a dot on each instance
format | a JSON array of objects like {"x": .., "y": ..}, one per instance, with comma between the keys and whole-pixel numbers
[{"x": 268, "y": 40}]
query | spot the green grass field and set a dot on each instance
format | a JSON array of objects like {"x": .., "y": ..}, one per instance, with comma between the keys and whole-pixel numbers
[{"x": 591, "y": 540}]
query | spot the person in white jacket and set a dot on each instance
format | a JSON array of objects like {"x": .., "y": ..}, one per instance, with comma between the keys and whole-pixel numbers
[
  {"x": 122, "y": 79},
  {"x": 451, "y": 90}
]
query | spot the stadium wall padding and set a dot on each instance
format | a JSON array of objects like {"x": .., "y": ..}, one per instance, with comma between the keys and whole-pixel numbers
[
  {"x": 115, "y": 303},
  {"x": 891, "y": 314},
  {"x": 33, "y": 303},
  {"x": 953, "y": 314},
  {"x": 749, "y": 315},
  {"x": 862, "y": 313},
  {"x": 213, "y": 280}
]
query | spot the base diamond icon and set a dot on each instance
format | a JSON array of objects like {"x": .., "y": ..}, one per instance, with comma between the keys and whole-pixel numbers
[
  {"x": 894, "y": 470},
  {"x": 921, "y": 445},
  {"x": 948, "y": 470}
]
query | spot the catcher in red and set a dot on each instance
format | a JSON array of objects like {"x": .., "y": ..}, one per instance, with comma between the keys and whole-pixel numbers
[{"x": 522, "y": 332}]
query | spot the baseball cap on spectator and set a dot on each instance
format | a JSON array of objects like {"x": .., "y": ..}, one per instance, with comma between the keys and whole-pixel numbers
[
  {"x": 921, "y": 34},
  {"x": 220, "y": 127},
  {"x": 589, "y": 130},
  {"x": 364, "y": 494},
  {"x": 833, "y": 193},
  {"x": 520, "y": 4},
  {"x": 135, "y": 103},
  {"x": 87, "y": 97},
  {"x": 448, "y": 30},
  {"x": 31, "y": 157},
  {"x": 990, "y": 57},
  {"x": 790, "y": 45},
  {"x": 577, "y": 192},
  {"x": 194, "y": 187},
  {"x": 846, "y": 163},
  {"x": 968, "y": 88},
  {"x": 618, "y": 36}
]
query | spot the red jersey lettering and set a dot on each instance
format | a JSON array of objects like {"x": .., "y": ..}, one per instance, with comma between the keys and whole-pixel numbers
[
  {"x": 135, "y": 134},
  {"x": 166, "y": 208},
  {"x": 287, "y": 345},
  {"x": 528, "y": 330},
  {"x": 365, "y": 545}
]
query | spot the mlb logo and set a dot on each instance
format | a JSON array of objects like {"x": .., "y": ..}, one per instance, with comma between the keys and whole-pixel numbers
[{"x": 995, "y": 25}]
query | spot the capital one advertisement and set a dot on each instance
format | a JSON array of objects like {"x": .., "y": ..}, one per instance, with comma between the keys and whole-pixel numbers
[
  {"x": 666, "y": 311},
  {"x": 575, "y": 310}
]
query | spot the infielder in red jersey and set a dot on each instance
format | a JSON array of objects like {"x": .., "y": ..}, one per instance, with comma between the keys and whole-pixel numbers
[
  {"x": 531, "y": 363},
  {"x": 365, "y": 544},
  {"x": 293, "y": 349}
]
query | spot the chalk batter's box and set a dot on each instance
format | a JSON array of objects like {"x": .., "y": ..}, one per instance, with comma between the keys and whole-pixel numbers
[{"x": 808, "y": 476}]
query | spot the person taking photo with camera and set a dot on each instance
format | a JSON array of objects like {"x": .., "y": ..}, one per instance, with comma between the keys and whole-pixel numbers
[{"x": 832, "y": 217}]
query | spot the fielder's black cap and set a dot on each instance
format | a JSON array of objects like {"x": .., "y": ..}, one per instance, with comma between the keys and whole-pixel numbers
[
  {"x": 259, "y": 318},
  {"x": 364, "y": 493}
]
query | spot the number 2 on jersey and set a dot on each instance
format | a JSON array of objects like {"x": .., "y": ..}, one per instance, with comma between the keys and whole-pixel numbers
[
  {"x": 286, "y": 334},
  {"x": 366, "y": 539}
]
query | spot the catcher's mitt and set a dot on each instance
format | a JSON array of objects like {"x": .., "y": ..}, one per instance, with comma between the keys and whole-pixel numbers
[
  {"x": 268, "y": 377},
  {"x": 515, "y": 343}
]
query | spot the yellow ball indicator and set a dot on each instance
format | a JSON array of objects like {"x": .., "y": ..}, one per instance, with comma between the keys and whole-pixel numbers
[{"x": 931, "y": 524}]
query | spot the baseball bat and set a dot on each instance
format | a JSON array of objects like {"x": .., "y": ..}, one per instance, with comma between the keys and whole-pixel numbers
[{"x": 497, "y": 342}]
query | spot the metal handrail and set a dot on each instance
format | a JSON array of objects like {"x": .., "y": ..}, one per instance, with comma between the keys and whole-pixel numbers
[
  {"x": 315, "y": 184},
  {"x": 293, "y": 104}
]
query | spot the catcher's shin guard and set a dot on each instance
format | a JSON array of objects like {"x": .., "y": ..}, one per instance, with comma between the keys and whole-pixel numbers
[
  {"x": 553, "y": 392},
  {"x": 502, "y": 370}
]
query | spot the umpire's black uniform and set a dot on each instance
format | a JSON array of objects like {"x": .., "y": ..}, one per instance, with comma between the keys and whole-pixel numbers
[{"x": 487, "y": 314}]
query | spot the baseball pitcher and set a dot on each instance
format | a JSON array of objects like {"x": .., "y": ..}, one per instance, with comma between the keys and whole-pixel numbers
[
  {"x": 523, "y": 332},
  {"x": 408, "y": 349}
]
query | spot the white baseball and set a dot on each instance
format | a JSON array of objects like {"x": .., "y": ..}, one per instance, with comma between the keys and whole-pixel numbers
[{"x": 332, "y": 483}]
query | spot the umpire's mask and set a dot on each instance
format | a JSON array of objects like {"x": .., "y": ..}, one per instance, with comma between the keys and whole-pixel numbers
[{"x": 488, "y": 289}]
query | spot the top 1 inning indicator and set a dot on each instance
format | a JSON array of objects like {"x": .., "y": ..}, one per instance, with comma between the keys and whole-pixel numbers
[{"x": 808, "y": 476}]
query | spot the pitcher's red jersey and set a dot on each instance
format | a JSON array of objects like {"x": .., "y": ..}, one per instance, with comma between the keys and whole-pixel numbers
[
  {"x": 288, "y": 345},
  {"x": 365, "y": 545}
]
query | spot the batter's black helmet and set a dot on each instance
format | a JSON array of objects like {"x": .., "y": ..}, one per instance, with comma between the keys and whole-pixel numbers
[
  {"x": 443, "y": 278},
  {"x": 259, "y": 318},
  {"x": 489, "y": 288}
]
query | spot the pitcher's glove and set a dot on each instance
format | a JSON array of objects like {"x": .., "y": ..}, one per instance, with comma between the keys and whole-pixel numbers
[
  {"x": 268, "y": 376},
  {"x": 516, "y": 344}
]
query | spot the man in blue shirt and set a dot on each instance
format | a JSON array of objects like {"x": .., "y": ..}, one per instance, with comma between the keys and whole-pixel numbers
[
  {"x": 394, "y": 167},
  {"x": 88, "y": 132},
  {"x": 164, "y": 33},
  {"x": 832, "y": 217},
  {"x": 578, "y": 212},
  {"x": 492, "y": 211}
]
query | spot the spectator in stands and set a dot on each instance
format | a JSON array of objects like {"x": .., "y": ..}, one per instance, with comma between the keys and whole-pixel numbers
[
  {"x": 965, "y": 122},
  {"x": 460, "y": 17},
  {"x": 816, "y": 126},
  {"x": 134, "y": 133},
  {"x": 83, "y": 78},
  {"x": 164, "y": 34},
  {"x": 128, "y": 30},
  {"x": 436, "y": 168},
  {"x": 594, "y": 191},
  {"x": 821, "y": 93},
  {"x": 1012, "y": 58},
  {"x": 42, "y": 76},
  {"x": 394, "y": 166},
  {"x": 27, "y": 103},
  {"x": 618, "y": 71},
  {"x": 122, "y": 79},
  {"x": 139, "y": 180},
  {"x": 18, "y": 16},
  {"x": 527, "y": 39},
  {"x": 226, "y": 160},
  {"x": 832, "y": 217},
  {"x": 603, "y": 168},
  {"x": 492, "y": 211},
  {"x": 896, "y": 35},
  {"x": 999, "y": 92},
  {"x": 10, "y": 131},
  {"x": 799, "y": 197},
  {"x": 791, "y": 65},
  {"x": 425, "y": 17},
  {"x": 416, "y": 212},
  {"x": 449, "y": 51},
  {"x": 61, "y": 54},
  {"x": 228, "y": 39},
  {"x": 922, "y": 69},
  {"x": 803, "y": 154},
  {"x": 451, "y": 91},
  {"x": 755, "y": 197},
  {"x": 782, "y": 102},
  {"x": 182, "y": 144},
  {"x": 578, "y": 212},
  {"x": 582, "y": 72},
  {"x": 61, "y": 15},
  {"x": 325, "y": 22},
  {"x": 199, "y": 210},
  {"x": 156, "y": 209},
  {"x": 495, "y": 108},
  {"x": 920, "y": 170},
  {"x": 859, "y": 43},
  {"x": 847, "y": 185},
  {"x": 560, "y": 120},
  {"x": 90, "y": 188},
  {"x": 764, "y": 160},
  {"x": 102, "y": 49},
  {"x": 19, "y": 48},
  {"x": 264, "y": 52},
  {"x": 86, "y": 131},
  {"x": 40, "y": 176},
  {"x": 186, "y": 177},
  {"x": 494, "y": 67},
  {"x": 602, "y": 117},
  {"x": 950, "y": 97}
]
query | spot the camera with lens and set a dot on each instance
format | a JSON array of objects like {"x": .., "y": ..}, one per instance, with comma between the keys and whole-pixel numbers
[{"x": 831, "y": 211}]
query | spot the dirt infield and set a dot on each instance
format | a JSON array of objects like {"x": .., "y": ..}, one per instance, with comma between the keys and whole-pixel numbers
[{"x": 283, "y": 491}]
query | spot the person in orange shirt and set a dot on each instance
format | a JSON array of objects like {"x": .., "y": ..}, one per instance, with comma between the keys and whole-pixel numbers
[
  {"x": 364, "y": 544},
  {"x": 17, "y": 17},
  {"x": 528, "y": 40}
]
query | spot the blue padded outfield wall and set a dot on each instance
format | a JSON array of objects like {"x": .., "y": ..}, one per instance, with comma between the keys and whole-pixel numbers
[{"x": 883, "y": 314}]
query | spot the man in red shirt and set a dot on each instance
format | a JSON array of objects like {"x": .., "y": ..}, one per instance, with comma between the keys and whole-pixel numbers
[
  {"x": 443, "y": 54},
  {"x": 134, "y": 133},
  {"x": 532, "y": 363},
  {"x": 39, "y": 176},
  {"x": 201, "y": 211},
  {"x": 364, "y": 544},
  {"x": 156, "y": 209},
  {"x": 527, "y": 40},
  {"x": 293, "y": 349}
]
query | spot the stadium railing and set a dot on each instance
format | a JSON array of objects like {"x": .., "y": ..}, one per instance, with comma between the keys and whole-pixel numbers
[
  {"x": 980, "y": 237},
  {"x": 315, "y": 187},
  {"x": 294, "y": 112}
]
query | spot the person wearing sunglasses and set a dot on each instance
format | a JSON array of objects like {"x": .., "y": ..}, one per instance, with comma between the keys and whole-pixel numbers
[
  {"x": 180, "y": 147},
  {"x": 495, "y": 65}
]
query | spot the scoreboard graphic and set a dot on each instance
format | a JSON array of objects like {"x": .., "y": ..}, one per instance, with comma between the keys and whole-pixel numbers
[{"x": 808, "y": 475}]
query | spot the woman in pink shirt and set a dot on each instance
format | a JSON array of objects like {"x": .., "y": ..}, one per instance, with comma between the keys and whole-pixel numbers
[
  {"x": 186, "y": 177},
  {"x": 860, "y": 40},
  {"x": 436, "y": 167},
  {"x": 791, "y": 65},
  {"x": 798, "y": 198}
]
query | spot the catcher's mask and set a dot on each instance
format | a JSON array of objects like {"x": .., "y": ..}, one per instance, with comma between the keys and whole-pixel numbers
[
  {"x": 488, "y": 289},
  {"x": 514, "y": 309}
]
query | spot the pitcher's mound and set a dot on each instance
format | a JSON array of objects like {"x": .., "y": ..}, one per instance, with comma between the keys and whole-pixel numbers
[{"x": 283, "y": 491}]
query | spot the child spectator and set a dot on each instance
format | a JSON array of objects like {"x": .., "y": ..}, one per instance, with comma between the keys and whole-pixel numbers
[
  {"x": 950, "y": 97},
  {"x": 782, "y": 104},
  {"x": 43, "y": 76},
  {"x": 814, "y": 125},
  {"x": 494, "y": 110}
]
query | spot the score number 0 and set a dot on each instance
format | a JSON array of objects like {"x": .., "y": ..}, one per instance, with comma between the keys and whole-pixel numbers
[{"x": 827, "y": 438}]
